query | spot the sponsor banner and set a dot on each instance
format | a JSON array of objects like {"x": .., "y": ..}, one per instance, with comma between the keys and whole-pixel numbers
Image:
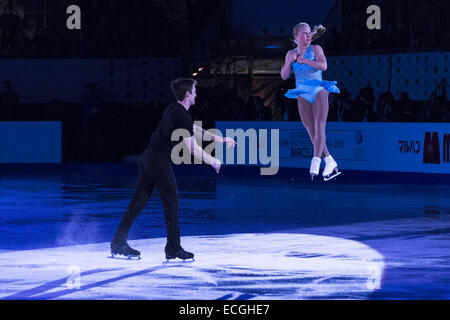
[
  {"x": 397, "y": 147},
  {"x": 30, "y": 142}
]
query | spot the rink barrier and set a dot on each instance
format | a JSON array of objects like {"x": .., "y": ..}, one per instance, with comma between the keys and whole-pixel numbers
[{"x": 388, "y": 147}]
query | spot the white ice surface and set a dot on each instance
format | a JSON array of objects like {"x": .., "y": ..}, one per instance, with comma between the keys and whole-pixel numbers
[{"x": 239, "y": 266}]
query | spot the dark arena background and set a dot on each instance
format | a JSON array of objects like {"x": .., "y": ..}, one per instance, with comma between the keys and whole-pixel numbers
[{"x": 85, "y": 83}]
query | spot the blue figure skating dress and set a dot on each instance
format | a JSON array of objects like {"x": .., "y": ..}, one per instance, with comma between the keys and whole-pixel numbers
[{"x": 308, "y": 81}]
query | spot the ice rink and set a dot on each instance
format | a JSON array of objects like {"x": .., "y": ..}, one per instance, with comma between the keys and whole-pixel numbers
[{"x": 254, "y": 237}]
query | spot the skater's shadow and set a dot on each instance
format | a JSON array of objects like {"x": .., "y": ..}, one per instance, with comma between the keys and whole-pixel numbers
[{"x": 38, "y": 293}]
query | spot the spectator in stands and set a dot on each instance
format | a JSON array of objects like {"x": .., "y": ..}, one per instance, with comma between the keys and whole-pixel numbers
[
  {"x": 405, "y": 106},
  {"x": 385, "y": 107},
  {"x": 445, "y": 109},
  {"x": 9, "y": 99},
  {"x": 370, "y": 115},
  {"x": 438, "y": 111},
  {"x": 285, "y": 106},
  {"x": 344, "y": 106},
  {"x": 364, "y": 101},
  {"x": 260, "y": 110}
]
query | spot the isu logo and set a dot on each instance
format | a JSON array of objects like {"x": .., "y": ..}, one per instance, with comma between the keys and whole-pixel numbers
[{"x": 431, "y": 150}]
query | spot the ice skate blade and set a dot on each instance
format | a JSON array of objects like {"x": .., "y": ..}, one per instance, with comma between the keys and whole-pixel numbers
[
  {"x": 122, "y": 257},
  {"x": 175, "y": 260},
  {"x": 313, "y": 175},
  {"x": 334, "y": 175}
]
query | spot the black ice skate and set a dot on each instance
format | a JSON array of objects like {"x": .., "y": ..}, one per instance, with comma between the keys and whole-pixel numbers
[
  {"x": 123, "y": 249},
  {"x": 180, "y": 253}
]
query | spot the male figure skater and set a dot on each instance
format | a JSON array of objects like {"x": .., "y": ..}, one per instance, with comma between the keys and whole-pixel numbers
[{"x": 155, "y": 169}]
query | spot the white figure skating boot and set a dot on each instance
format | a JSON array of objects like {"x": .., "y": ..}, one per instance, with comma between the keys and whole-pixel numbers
[
  {"x": 315, "y": 167},
  {"x": 331, "y": 168}
]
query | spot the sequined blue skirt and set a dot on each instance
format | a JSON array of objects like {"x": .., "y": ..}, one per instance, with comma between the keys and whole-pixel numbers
[{"x": 309, "y": 88}]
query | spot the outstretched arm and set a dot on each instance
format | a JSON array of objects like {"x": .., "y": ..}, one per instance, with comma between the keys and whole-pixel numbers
[
  {"x": 199, "y": 153},
  {"x": 201, "y": 133}
]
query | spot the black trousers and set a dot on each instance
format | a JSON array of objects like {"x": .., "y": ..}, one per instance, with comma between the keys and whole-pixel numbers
[{"x": 154, "y": 171}]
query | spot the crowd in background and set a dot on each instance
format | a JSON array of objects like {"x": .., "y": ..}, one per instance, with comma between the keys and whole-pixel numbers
[
  {"x": 366, "y": 107},
  {"x": 222, "y": 104}
]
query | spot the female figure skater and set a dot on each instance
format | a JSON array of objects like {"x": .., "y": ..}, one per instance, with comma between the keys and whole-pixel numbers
[{"x": 308, "y": 61}]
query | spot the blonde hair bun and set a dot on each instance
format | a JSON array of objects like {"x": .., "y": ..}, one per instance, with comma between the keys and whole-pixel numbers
[{"x": 318, "y": 31}]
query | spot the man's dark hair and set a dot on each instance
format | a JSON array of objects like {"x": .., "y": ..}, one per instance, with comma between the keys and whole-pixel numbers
[{"x": 180, "y": 86}]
